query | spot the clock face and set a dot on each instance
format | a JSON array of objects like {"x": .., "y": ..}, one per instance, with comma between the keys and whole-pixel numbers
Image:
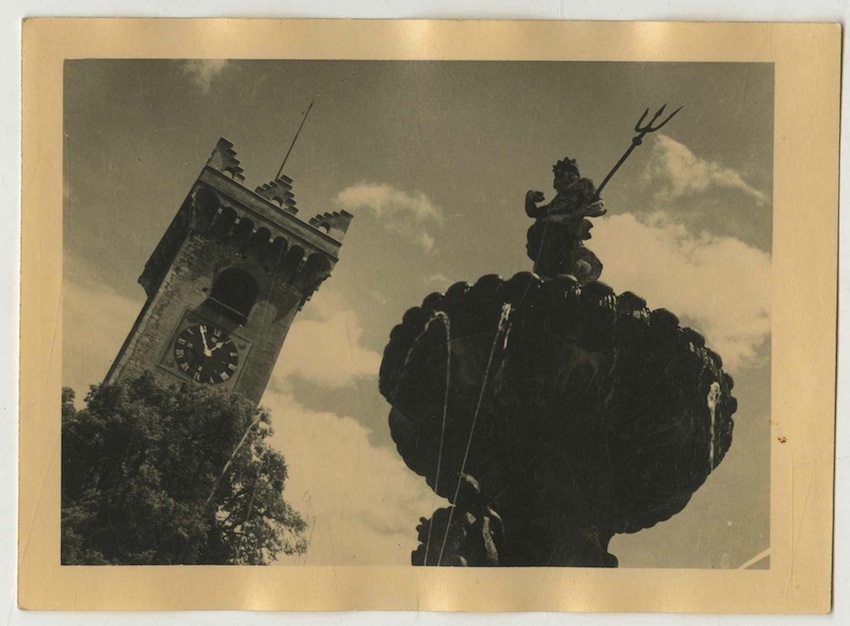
[{"x": 206, "y": 354}]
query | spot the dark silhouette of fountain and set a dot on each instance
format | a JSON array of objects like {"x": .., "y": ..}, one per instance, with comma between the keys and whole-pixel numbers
[{"x": 551, "y": 412}]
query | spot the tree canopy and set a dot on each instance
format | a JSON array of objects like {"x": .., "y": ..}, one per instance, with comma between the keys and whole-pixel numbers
[{"x": 159, "y": 476}]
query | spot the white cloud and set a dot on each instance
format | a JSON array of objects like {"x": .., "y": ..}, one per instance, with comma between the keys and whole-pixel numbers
[
  {"x": 327, "y": 350},
  {"x": 439, "y": 279},
  {"x": 361, "y": 501},
  {"x": 681, "y": 172},
  {"x": 721, "y": 284},
  {"x": 409, "y": 215},
  {"x": 204, "y": 71},
  {"x": 387, "y": 202},
  {"x": 427, "y": 242},
  {"x": 95, "y": 321}
]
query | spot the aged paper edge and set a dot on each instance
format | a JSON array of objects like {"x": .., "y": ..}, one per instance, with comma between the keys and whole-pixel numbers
[{"x": 806, "y": 58}]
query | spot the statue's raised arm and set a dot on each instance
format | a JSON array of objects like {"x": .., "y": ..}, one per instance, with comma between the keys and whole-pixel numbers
[{"x": 532, "y": 199}]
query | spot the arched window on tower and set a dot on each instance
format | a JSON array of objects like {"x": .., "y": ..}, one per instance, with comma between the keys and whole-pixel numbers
[{"x": 234, "y": 294}]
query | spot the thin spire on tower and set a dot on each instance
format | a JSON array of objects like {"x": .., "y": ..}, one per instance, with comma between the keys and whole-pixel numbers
[{"x": 292, "y": 145}]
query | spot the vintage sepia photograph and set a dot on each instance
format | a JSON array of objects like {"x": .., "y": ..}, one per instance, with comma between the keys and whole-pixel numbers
[
  {"x": 416, "y": 313},
  {"x": 329, "y": 315}
]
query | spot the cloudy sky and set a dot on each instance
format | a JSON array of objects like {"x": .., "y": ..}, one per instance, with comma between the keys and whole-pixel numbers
[{"x": 434, "y": 159}]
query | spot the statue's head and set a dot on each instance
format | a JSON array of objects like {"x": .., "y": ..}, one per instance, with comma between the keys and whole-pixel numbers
[{"x": 566, "y": 171}]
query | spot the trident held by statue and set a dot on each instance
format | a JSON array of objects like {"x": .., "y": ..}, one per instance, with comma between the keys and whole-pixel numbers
[{"x": 642, "y": 131}]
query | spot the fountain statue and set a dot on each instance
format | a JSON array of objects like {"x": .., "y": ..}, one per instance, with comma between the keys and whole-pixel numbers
[{"x": 549, "y": 411}]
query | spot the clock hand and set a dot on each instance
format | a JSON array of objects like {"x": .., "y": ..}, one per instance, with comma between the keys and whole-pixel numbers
[{"x": 207, "y": 351}]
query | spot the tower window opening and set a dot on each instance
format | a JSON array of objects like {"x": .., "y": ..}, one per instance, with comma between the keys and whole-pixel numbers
[{"x": 234, "y": 294}]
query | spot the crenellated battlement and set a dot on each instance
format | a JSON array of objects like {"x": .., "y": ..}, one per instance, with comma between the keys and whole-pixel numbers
[
  {"x": 280, "y": 192},
  {"x": 223, "y": 159},
  {"x": 334, "y": 223},
  {"x": 274, "y": 201},
  {"x": 259, "y": 225}
]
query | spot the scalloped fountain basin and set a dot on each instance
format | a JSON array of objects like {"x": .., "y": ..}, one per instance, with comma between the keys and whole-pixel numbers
[{"x": 580, "y": 413}]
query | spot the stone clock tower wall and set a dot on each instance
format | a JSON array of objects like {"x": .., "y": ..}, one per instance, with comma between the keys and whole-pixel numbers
[{"x": 233, "y": 259}]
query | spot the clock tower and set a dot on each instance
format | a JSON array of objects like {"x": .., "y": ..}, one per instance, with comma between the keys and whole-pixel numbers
[{"x": 226, "y": 280}]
